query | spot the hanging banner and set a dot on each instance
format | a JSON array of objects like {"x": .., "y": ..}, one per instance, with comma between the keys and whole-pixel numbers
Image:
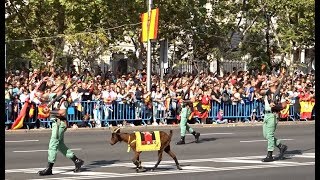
[{"x": 153, "y": 26}]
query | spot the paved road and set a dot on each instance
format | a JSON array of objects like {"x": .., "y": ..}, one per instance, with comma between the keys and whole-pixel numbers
[{"x": 223, "y": 153}]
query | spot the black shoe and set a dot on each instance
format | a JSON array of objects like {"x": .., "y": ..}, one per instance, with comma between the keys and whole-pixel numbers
[
  {"x": 269, "y": 157},
  {"x": 47, "y": 171},
  {"x": 196, "y": 135},
  {"x": 78, "y": 163},
  {"x": 181, "y": 141},
  {"x": 283, "y": 149}
]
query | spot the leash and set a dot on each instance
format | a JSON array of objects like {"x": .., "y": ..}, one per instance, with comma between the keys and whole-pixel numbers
[{"x": 129, "y": 144}]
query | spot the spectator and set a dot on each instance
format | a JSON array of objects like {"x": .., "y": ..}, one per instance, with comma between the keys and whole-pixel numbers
[{"x": 220, "y": 119}]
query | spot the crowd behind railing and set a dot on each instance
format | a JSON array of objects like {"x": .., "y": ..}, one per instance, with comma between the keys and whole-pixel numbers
[{"x": 108, "y": 99}]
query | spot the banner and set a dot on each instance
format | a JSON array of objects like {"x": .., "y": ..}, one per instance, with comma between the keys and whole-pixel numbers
[
  {"x": 306, "y": 109},
  {"x": 153, "y": 25},
  {"x": 18, "y": 123},
  {"x": 285, "y": 112}
]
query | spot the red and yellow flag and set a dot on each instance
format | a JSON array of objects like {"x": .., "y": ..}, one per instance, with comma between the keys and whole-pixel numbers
[
  {"x": 150, "y": 30},
  {"x": 285, "y": 112},
  {"x": 18, "y": 123},
  {"x": 306, "y": 109}
]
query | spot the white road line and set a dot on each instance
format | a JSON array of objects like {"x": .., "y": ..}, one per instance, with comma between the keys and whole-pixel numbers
[
  {"x": 32, "y": 140},
  {"x": 165, "y": 163},
  {"x": 187, "y": 169},
  {"x": 206, "y": 134},
  {"x": 30, "y": 151},
  {"x": 266, "y": 140}
]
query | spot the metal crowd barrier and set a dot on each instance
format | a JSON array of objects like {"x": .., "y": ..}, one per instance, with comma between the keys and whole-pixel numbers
[{"x": 103, "y": 114}]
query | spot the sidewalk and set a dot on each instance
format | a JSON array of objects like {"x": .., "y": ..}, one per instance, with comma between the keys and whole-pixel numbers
[{"x": 169, "y": 126}]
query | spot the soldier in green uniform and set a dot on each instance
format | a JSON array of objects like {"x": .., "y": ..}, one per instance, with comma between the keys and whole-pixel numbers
[
  {"x": 59, "y": 126},
  {"x": 184, "y": 115},
  {"x": 269, "y": 127}
]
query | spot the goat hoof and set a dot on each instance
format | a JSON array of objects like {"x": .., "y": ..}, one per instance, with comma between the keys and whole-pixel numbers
[{"x": 179, "y": 168}]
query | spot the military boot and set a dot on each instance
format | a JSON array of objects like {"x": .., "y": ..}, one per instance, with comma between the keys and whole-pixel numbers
[
  {"x": 269, "y": 157},
  {"x": 196, "y": 135},
  {"x": 47, "y": 171},
  {"x": 77, "y": 162},
  {"x": 282, "y": 149},
  {"x": 181, "y": 141}
]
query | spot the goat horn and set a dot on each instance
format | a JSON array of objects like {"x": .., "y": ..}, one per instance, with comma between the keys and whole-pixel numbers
[{"x": 116, "y": 130}]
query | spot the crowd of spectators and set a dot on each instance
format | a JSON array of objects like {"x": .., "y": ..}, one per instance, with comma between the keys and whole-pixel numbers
[{"x": 107, "y": 89}]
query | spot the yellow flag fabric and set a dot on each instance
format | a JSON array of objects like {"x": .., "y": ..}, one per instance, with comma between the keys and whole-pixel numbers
[
  {"x": 306, "y": 109},
  {"x": 285, "y": 112},
  {"x": 155, "y": 146},
  {"x": 18, "y": 123},
  {"x": 150, "y": 30}
]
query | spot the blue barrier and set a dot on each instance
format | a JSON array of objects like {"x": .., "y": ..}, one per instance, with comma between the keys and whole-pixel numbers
[{"x": 100, "y": 113}]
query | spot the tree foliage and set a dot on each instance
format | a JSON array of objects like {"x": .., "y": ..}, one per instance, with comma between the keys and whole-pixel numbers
[{"x": 228, "y": 29}]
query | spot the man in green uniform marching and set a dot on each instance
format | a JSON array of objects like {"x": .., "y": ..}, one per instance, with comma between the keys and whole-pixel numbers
[
  {"x": 269, "y": 127},
  {"x": 184, "y": 116},
  {"x": 59, "y": 126}
]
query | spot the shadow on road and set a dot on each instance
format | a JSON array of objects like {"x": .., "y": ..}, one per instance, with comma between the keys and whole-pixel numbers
[
  {"x": 97, "y": 164},
  {"x": 103, "y": 162},
  {"x": 202, "y": 140},
  {"x": 292, "y": 153}
]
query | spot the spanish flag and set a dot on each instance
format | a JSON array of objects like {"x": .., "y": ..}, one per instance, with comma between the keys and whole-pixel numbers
[
  {"x": 18, "y": 123},
  {"x": 306, "y": 109},
  {"x": 285, "y": 112},
  {"x": 31, "y": 111},
  {"x": 150, "y": 25}
]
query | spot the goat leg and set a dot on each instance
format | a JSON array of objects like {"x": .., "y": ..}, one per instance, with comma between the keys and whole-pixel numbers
[
  {"x": 136, "y": 161},
  {"x": 168, "y": 151},
  {"x": 159, "y": 160}
]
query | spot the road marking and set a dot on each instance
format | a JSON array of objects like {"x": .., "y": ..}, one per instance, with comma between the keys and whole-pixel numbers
[
  {"x": 205, "y": 134},
  {"x": 32, "y": 140},
  {"x": 30, "y": 151},
  {"x": 169, "y": 163},
  {"x": 186, "y": 169},
  {"x": 266, "y": 140}
]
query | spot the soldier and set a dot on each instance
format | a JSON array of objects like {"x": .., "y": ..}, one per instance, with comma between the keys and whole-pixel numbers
[
  {"x": 269, "y": 127},
  {"x": 59, "y": 126},
  {"x": 184, "y": 115}
]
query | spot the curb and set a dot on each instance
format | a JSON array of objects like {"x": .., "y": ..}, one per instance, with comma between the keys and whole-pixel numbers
[{"x": 176, "y": 126}]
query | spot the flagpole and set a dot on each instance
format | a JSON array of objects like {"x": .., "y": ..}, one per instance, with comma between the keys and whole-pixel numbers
[{"x": 149, "y": 48}]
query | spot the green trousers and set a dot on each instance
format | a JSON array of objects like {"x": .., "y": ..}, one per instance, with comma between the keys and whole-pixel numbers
[
  {"x": 184, "y": 126},
  {"x": 269, "y": 127},
  {"x": 57, "y": 142}
]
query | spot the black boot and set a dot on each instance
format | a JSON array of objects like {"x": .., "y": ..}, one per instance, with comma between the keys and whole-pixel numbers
[
  {"x": 196, "y": 135},
  {"x": 269, "y": 157},
  {"x": 47, "y": 171},
  {"x": 181, "y": 141},
  {"x": 282, "y": 149},
  {"x": 77, "y": 162}
]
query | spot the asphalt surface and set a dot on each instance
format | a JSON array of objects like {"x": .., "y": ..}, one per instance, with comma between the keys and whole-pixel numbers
[{"x": 223, "y": 153}]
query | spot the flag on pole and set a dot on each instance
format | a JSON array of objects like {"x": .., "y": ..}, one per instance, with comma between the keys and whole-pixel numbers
[
  {"x": 152, "y": 26},
  {"x": 18, "y": 123}
]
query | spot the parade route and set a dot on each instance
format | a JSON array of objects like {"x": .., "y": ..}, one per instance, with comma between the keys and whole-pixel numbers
[{"x": 223, "y": 153}]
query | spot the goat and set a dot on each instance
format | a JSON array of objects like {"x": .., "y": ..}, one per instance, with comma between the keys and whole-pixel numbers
[{"x": 165, "y": 146}]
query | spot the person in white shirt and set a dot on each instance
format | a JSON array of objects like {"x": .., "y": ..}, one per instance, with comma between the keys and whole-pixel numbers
[
  {"x": 157, "y": 102},
  {"x": 24, "y": 96}
]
